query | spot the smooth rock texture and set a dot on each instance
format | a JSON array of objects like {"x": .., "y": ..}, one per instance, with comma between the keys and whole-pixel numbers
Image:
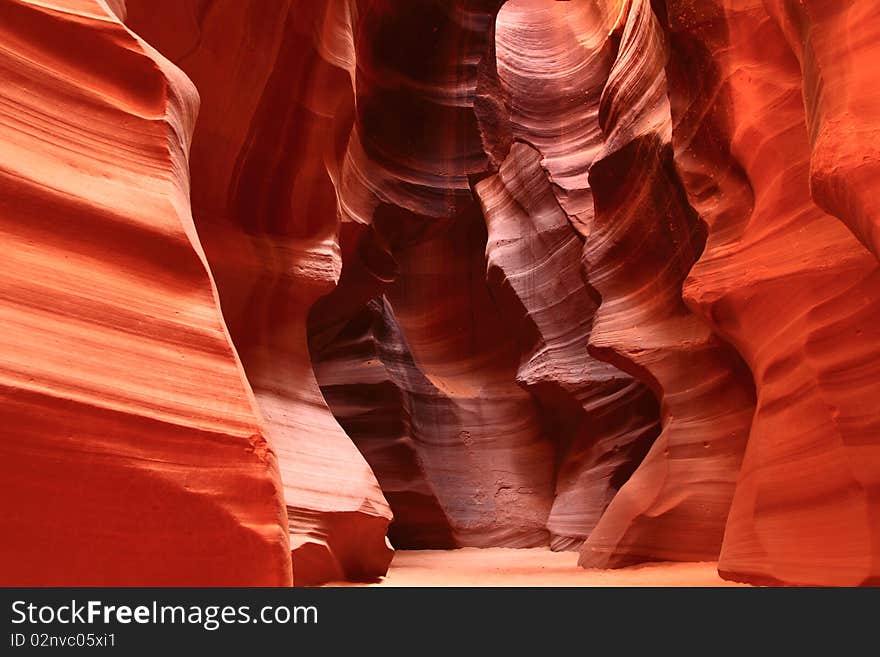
[
  {"x": 552, "y": 62},
  {"x": 593, "y": 276},
  {"x": 643, "y": 240},
  {"x": 474, "y": 436},
  {"x": 477, "y": 436},
  {"x": 263, "y": 162},
  {"x": 837, "y": 44},
  {"x": 373, "y": 386},
  {"x": 794, "y": 290},
  {"x": 133, "y": 452},
  {"x": 603, "y": 421}
]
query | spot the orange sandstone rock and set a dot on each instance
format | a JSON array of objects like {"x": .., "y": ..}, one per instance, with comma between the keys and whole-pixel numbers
[
  {"x": 277, "y": 104},
  {"x": 133, "y": 452},
  {"x": 792, "y": 288},
  {"x": 599, "y": 274}
]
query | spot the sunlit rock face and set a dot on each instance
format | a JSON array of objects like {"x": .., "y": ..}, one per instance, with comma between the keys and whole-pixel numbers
[
  {"x": 277, "y": 107},
  {"x": 133, "y": 451},
  {"x": 644, "y": 239},
  {"x": 292, "y": 283},
  {"x": 794, "y": 289}
]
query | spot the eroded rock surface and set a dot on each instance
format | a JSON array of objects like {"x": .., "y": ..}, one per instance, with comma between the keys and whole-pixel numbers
[
  {"x": 793, "y": 289},
  {"x": 277, "y": 106},
  {"x": 133, "y": 451},
  {"x": 597, "y": 275}
]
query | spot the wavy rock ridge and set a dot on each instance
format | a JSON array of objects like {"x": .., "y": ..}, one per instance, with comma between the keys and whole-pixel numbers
[
  {"x": 599, "y": 275},
  {"x": 796, "y": 293},
  {"x": 111, "y": 456}
]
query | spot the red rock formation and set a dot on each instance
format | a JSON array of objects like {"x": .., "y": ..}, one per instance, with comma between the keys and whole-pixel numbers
[
  {"x": 596, "y": 274},
  {"x": 264, "y": 203},
  {"x": 478, "y": 470},
  {"x": 491, "y": 456},
  {"x": 641, "y": 245},
  {"x": 133, "y": 452},
  {"x": 552, "y": 61},
  {"x": 479, "y": 444},
  {"x": 375, "y": 389},
  {"x": 793, "y": 290},
  {"x": 604, "y": 421},
  {"x": 837, "y": 44},
  {"x": 378, "y": 395}
]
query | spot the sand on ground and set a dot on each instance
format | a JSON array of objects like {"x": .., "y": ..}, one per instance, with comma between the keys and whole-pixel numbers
[{"x": 532, "y": 567}]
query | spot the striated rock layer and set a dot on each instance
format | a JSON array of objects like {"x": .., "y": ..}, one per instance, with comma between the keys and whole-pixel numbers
[
  {"x": 837, "y": 44},
  {"x": 277, "y": 108},
  {"x": 604, "y": 422},
  {"x": 792, "y": 288},
  {"x": 643, "y": 240},
  {"x": 597, "y": 275},
  {"x": 474, "y": 437},
  {"x": 538, "y": 210},
  {"x": 133, "y": 452},
  {"x": 514, "y": 435}
]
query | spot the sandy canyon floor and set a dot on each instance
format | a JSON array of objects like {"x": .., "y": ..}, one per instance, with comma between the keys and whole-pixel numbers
[{"x": 534, "y": 567}]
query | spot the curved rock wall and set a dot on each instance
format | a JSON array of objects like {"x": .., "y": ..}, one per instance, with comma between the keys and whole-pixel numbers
[
  {"x": 263, "y": 165},
  {"x": 474, "y": 435},
  {"x": 133, "y": 451},
  {"x": 597, "y": 275},
  {"x": 602, "y": 420},
  {"x": 644, "y": 240},
  {"x": 794, "y": 290}
]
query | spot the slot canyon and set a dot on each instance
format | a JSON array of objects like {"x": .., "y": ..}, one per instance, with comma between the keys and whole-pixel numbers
[{"x": 291, "y": 285}]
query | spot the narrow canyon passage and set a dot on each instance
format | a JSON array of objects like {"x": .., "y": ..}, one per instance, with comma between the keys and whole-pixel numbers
[
  {"x": 449, "y": 292},
  {"x": 533, "y": 567},
  {"x": 510, "y": 332}
]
